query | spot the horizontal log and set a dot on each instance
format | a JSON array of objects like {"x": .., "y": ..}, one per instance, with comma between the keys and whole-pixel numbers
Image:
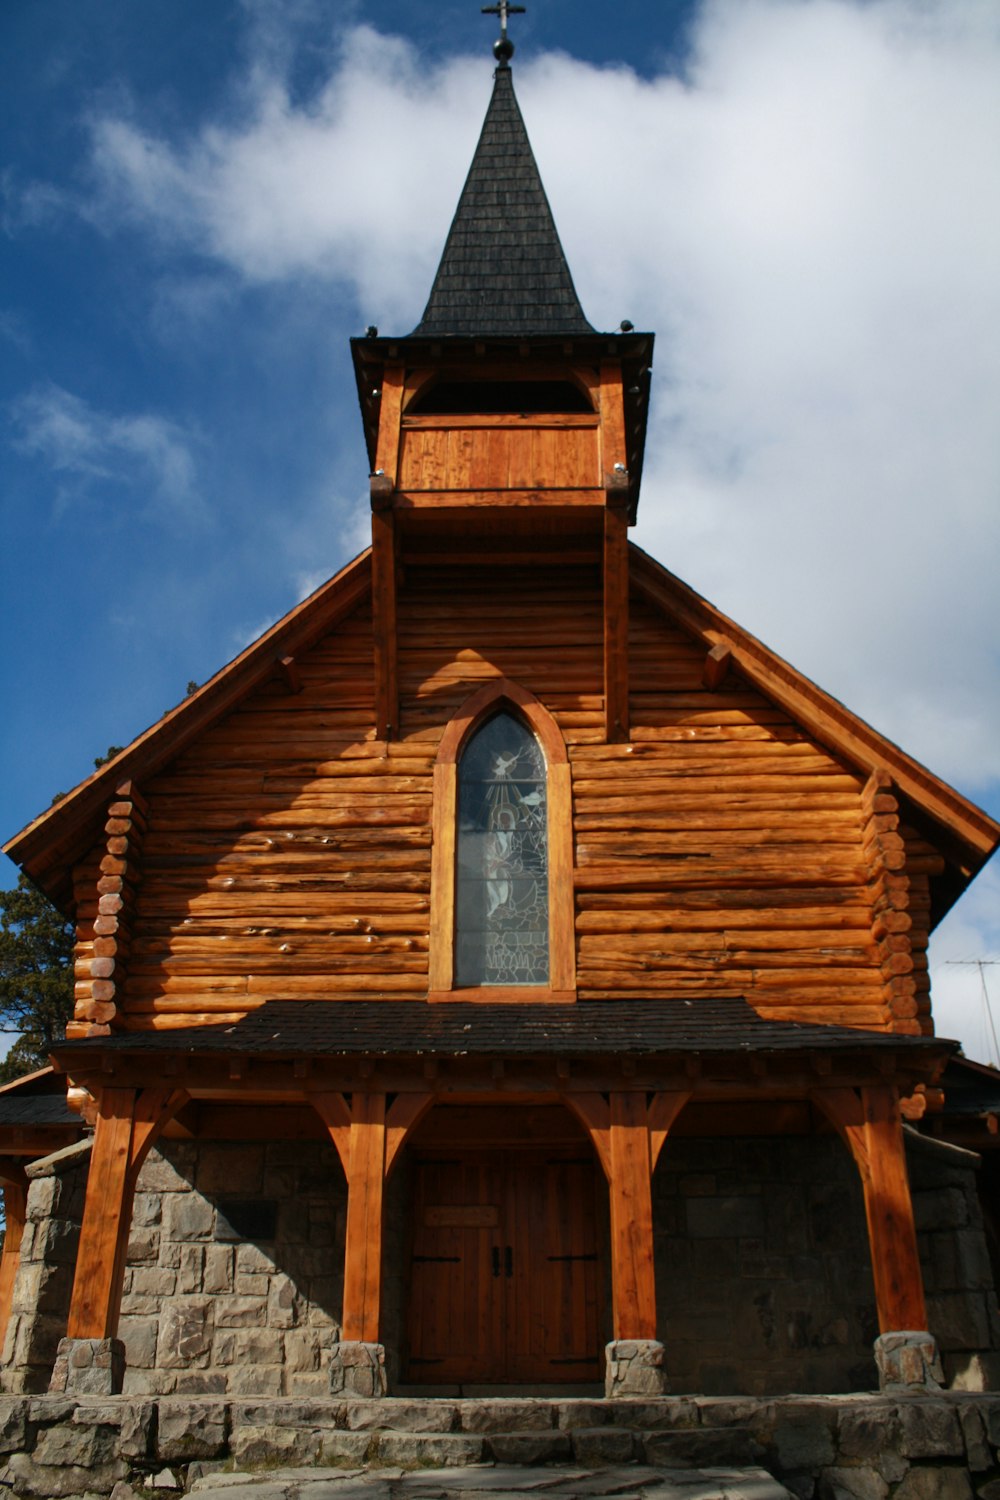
[
  {"x": 254, "y": 903},
  {"x": 293, "y": 966},
  {"x": 285, "y": 943},
  {"x": 712, "y": 899},
  {"x": 809, "y": 990},
  {"x": 724, "y": 962},
  {"x": 712, "y": 831},
  {"x": 808, "y": 921},
  {"x": 320, "y": 921},
  {"x": 772, "y": 868},
  {"x": 723, "y": 942},
  {"x": 650, "y": 792}
]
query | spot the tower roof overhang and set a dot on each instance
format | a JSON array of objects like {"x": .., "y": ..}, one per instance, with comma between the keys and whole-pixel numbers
[{"x": 470, "y": 354}]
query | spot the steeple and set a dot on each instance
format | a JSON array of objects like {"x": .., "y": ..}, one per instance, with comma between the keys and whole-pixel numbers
[{"x": 503, "y": 271}]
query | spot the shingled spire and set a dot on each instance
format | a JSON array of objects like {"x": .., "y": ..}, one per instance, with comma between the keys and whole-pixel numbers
[{"x": 503, "y": 271}]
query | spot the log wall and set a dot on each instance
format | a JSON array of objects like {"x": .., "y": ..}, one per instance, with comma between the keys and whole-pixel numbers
[{"x": 720, "y": 851}]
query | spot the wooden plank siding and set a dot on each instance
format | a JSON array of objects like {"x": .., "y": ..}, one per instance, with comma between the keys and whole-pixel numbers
[{"x": 719, "y": 851}]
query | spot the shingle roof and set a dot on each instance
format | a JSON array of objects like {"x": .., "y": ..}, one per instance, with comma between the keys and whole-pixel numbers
[
  {"x": 503, "y": 271},
  {"x": 37, "y": 1109},
  {"x": 594, "y": 1027}
]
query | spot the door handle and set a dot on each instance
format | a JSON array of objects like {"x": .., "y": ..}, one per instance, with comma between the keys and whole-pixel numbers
[
  {"x": 496, "y": 1260},
  {"x": 508, "y": 1260}
]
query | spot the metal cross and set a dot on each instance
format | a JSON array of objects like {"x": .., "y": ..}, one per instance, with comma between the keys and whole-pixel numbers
[{"x": 503, "y": 9}]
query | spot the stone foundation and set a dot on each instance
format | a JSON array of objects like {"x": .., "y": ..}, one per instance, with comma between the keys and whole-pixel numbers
[
  {"x": 822, "y": 1448},
  {"x": 635, "y": 1367},
  {"x": 908, "y": 1360},
  {"x": 358, "y": 1370},
  {"x": 89, "y": 1367}
]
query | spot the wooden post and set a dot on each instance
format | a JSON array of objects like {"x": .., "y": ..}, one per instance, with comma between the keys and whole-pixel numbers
[
  {"x": 15, "y": 1202},
  {"x": 128, "y": 1122},
  {"x": 100, "y": 1262},
  {"x": 899, "y": 1288},
  {"x": 633, "y": 1285},
  {"x": 365, "y": 1181},
  {"x": 616, "y": 616}
]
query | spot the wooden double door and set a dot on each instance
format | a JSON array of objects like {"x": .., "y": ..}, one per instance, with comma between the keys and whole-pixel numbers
[{"x": 507, "y": 1271}]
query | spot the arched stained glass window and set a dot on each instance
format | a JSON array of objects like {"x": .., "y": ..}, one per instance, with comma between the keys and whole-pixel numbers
[{"x": 502, "y": 894}]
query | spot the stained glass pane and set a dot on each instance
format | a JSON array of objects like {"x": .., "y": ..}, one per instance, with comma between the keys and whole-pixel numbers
[{"x": 502, "y": 894}]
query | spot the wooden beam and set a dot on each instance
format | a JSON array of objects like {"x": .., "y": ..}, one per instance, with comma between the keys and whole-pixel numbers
[
  {"x": 15, "y": 1202},
  {"x": 633, "y": 1285},
  {"x": 128, "y": 1122},
  {"x": 384, "y": 624},
  {"x": 389, "y": 416},
  {"x": 100, "y": 1261},
  {"x": 616, "y": 623},
  {"x": 365, "y": 1183},
  {"x": 892, "y": 1235}
]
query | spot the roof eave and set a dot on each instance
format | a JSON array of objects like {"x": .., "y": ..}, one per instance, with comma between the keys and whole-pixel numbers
[
  {"x": 48, "y": 847},
  {"x": 967, "y": 835}
]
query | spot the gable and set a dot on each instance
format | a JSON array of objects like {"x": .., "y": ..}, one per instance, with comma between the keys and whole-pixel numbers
[{"x": 725, "y": 849}]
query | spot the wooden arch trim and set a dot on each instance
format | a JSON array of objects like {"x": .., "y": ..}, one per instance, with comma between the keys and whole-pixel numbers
[{"x": 562, "y": 944}]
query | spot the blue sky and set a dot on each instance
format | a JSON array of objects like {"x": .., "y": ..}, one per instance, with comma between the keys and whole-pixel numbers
[{"x": 201, "y": 203}]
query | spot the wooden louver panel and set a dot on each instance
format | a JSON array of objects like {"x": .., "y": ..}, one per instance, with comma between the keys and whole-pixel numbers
[{"x": 481, "y": 453}]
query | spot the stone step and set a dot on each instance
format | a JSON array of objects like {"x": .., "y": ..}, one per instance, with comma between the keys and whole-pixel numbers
[
  {"x": 853, "y": 1445},
  {"x": 492, "y": 1482},
  {"x": 252, "y": 1444}
]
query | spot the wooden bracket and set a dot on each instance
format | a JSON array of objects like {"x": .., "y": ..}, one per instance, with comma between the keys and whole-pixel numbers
[
  {"x": 663, "y": 1111},
  {"x": 594, "y": 1114},
  {"x": 717, "y": 665},
  {"x": 403, "y": 1117},
  {"x": 288, "y": 671},
  {"x": 382, "y": 491}
]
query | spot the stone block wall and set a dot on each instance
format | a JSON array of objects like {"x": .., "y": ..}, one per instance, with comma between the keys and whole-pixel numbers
[
  {"x": 44, "y": 1281},
  {"x": 958, "y": 1275},
  {"x": 762, "y": 1266},
  {"x": 235, "y": 1269}
]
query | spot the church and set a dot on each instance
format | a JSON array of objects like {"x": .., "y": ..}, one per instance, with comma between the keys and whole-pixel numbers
[{"x": 507, "y": 973}]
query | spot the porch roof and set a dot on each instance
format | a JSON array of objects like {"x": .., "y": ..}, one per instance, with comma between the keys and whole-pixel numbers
[{"x": 637, "y": 1027}]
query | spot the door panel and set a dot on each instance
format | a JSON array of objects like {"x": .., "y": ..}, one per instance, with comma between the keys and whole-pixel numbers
[
  {"x": 457, "y": 1211},
  {"x": 506, "y": 1281}
]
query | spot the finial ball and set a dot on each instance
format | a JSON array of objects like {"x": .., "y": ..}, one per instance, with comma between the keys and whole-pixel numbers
[{"x": 503, "y": 50}]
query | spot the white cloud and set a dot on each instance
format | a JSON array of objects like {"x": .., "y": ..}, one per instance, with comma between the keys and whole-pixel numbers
[
  {"x": 811, "y": 221},
  {"x": 77, "y": 440}
]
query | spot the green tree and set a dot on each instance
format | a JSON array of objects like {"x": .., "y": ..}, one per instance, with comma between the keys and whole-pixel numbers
[{"x": 36, "y": 976}]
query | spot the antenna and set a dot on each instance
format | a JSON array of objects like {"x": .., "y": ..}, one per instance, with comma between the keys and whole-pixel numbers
[{"x": 982, "y": 964}]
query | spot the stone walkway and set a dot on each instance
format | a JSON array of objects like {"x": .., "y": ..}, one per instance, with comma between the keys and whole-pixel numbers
[{"x": 491, "y": 1482}]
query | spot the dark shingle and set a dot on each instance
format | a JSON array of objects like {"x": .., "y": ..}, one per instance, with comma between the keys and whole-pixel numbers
[
  {"x": 37, "y": 1109},
  {"x": 411, "y": 1028},
  {"x": 503, "y": 271}
]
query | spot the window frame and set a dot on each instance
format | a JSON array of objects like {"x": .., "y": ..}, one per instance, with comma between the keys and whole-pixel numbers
[{"x": 561, "y": 988}]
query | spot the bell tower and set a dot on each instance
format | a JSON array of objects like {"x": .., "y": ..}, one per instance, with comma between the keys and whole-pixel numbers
[{"x": 504, "y": 430}]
